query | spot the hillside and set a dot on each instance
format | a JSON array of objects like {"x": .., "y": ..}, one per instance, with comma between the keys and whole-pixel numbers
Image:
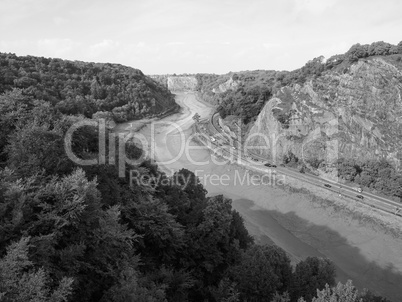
[
  {"x": 342, "y": 116},
  {"x": 106, "y": 90},
  {"x": 239, "y": 93}
]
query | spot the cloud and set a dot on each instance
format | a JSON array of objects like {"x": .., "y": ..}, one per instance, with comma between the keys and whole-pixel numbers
[
  {"x": 14, "y": 46},
  {"x": 59, "y": 21},
  {"x": 61, "y": 48},
  {"x": 56, "y": 47},
  {"x": 270, "y": 45},
  {"x": 101, "y": 48},
  {"x": 313, "y": 6},
  {"x": 174, "y": 43}
]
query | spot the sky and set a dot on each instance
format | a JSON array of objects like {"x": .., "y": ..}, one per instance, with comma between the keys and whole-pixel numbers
[{"x": 191, "y": 36}]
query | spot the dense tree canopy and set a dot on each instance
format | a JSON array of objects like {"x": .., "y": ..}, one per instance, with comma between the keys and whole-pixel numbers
[
  {"x": 310, "y": 275},
  {"x": 263, "y": 271},
  {"x": 378, "y": 175},
  {"x": 85, "y": 88}
]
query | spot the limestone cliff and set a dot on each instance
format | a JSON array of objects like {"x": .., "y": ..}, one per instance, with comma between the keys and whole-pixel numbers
[
  {"x": 182, "y": 83},
  {"x": 176, "y": 83},
  {"x": 230, "y": 84},
  {"x": 355, "y": 114}
]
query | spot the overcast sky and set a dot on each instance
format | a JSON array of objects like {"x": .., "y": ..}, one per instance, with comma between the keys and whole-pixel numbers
[{"x": 190, "y": 36}]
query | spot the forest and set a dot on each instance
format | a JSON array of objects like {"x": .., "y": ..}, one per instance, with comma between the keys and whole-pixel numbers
[
  {"x": 82, "y": 233},
  {"x": 107, "y": 90}
]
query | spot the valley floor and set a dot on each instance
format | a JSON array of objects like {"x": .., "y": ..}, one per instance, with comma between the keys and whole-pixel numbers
[{"x": 300, "y": 223}]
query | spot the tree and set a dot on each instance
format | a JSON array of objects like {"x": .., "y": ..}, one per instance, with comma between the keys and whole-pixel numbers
[
  {"x": 399, "y": 46},
  {"x": 226, "y": 291},
  {"x": 239, "y": 231},
  {"x": 131, "y": 287},
  {"x": 20, "y": 281},
  {"x": 14, "y": 106},
  {"x": 290, "y": 159},
  {"x": 379, "y": 48},
  {"x": 348, "y": 169},
  {"x": 71, "y": 233},
  {"x": 35, "y": 148},
  {"x": 161, "y": 236},
  {"x": 263, "y": 271},
  {"x": 281, "y": 298},
  {"x": 190, "y": 184},
  {"x": 344, "y": 293},
  {"x": 393, "y": 50},
  {"x": 365, "y": 179},
  {"x": 340, "y": 293},
  {"x": 356, "y": 52},
  {"x": 311, "y": 274},
  {"x": 211, "y": 248}
]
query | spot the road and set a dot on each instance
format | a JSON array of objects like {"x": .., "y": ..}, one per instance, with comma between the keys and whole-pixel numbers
[{"x": 377, "y": 202}]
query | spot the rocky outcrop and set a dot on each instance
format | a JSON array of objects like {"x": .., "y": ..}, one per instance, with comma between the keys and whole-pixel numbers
[
  {"x": 357, "y": 114},
  {"x": 182, "y": 83},
  {"x": 176, "y": 83},
  {"x": 228, "y": 85}
]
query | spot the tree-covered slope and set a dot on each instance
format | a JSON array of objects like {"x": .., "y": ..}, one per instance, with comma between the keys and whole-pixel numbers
[{"x": 76, "y": 87}]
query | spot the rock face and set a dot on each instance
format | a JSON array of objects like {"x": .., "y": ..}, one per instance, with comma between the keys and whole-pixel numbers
[
  {"x": 182, "y": 83},
  {"x": 176, "y": 83},
  {"x": 357, "y": 114},
  {"x": 228, "y": 85}
]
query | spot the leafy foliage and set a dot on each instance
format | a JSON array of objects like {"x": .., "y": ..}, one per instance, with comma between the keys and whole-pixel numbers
[
  {"x": 263, "y": 271},
  {"x": 243, "y": 103},
  {"x": 343, "y": 293},
  {"x": 85, "y": 88},
  {"x": 20, "y": 282},
  {"x": 311, "y": 275},
  {"x": 378, "y": 175}
]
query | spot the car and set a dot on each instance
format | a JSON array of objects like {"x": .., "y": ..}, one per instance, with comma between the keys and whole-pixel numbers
[
  {"x": 273, "y": 166},
  {"x": 327, "y": 185},
  {"x": 268, "y": 165},
  {"x": 282, "y": 165},
  {"x": 360, "y": 196}
]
